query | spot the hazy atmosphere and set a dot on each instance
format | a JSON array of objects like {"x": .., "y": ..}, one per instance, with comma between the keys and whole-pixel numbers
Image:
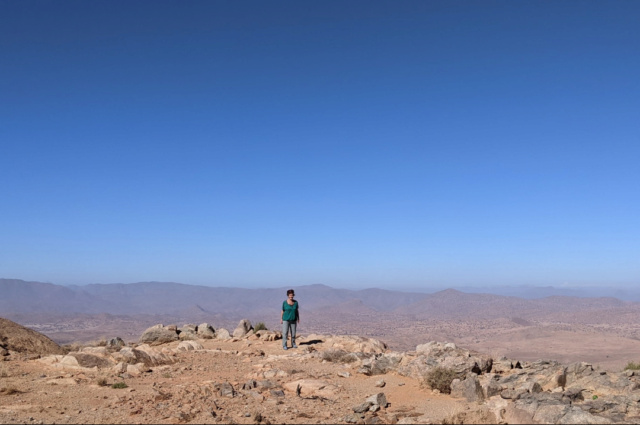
[{"x": 401, "y": 145}]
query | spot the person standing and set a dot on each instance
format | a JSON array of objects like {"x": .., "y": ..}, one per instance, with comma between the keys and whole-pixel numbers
[{"x": 289, "y": 319}]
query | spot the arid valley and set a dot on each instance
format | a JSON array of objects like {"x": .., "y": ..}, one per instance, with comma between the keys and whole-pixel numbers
[
  {"x": 515, "y": 360},
  {"x": 603, "y": 331}
]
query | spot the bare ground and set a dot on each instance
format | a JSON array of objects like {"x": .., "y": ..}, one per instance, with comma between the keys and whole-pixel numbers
[{"x": 31, "y": 392}]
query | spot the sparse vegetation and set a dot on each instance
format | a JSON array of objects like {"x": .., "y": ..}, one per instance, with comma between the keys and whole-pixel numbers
[
  {"x": 102, "y": 382},
  {"x": 167, "y": 375},
  {"x": 440, "y": 379},
  {"x": 632, "y": 366},
  {"x": 260, "y": 326},
  {"x": 338, "y": 356},
  {"x": 119, "y": 385},
  {"x": 70, "y": 348}
]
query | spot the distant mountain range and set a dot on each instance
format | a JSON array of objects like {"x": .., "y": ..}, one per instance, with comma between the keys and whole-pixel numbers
[
  {"x": 169, "y": 298},
  {"x": 20, "y": 296}
]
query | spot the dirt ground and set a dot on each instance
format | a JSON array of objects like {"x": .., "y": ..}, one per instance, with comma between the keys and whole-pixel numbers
[{"x": 189, "y": 390}]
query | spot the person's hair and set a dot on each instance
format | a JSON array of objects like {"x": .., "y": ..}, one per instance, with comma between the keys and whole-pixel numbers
[{"x": 290, "y": 291}]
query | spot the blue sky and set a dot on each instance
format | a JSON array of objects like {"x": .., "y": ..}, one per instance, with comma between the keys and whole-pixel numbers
[{"x": 357, "y": 144}]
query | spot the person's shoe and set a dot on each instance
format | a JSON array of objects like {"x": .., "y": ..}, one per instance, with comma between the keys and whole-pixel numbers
[
  {"x": 294, "y": 345},
  {"x": 284, "y": 347}
]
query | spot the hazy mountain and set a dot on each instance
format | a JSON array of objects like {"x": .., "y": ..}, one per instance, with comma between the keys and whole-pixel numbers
[
  {"x": 451, "y": 303},
  {"x": 20, "y": 296},
  {"x": 179, "y": 299}
]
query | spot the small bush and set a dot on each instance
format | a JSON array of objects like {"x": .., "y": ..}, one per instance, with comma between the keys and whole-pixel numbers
[
  {"x": 70, "y": 348},
  {"x": 338, "y": 356},
  {"x": 632, "y": 366},
  {"x": 260, "y": 326},
  {"x": 119, "y": 385},
  {"x": 102, "y": 382},
  {"x": 440, "y": 379}
]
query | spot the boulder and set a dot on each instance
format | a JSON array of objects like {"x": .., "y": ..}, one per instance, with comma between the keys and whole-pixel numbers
[
  {"x": 223, "y": 334},
  {"x": 379, "y": 399},
  {"x": 550, "y": 413},
  {"x": 350, "y": 343},
  {"x": 226, "y": 390},
  {"x": 469, "y": 388},
  {"x": 189, "y": 346},
  {"x": 503, "y": 365},
  {"x": 206, "y": 331},
  {"x": 116, "y": 342},
  {"x": 143, "y": 354},
  {"x": 242, "y": 329},
  {"x": 490, "y": 385},
  {"x": 89, "y": 361},
  {"x": 576, "y": 415},
  {"x": 381, "y": 364},
  {"x": 159, "y": 334}
]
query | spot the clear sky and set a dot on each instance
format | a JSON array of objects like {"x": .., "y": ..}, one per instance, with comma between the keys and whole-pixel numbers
[{"x": 354, "y": 144}]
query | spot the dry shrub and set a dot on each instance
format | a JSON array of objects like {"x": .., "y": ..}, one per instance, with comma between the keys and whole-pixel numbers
[
  {"x": 632, "y": 366},
  {"x": 338, "y": 356},
  {"x": 260, "y": 326},
  {"x": 102, "y": 382},
  {"x": 119, "y": 385},
  {"x": 440, "y": 379}
]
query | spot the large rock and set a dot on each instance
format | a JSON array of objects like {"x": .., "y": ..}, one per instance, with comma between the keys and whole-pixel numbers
[
  {"x": 242, "y": 329},
  {"x": 222, "y": 333},
  {"x": 381, "y": 364},
  {"x": 446, "y": 355},
  {"x": 550, "y": 413},
  {"x": 116, "y": 342},
  {"x": 89, "y": 361},
  {"x": 206, "y": 331},
  {"x": 143, "y": 354},
  {"x": 576, "y": 415},
  {"x": 469, "y": 388},
  {"x": 350, "y": 343},
  {"x": 188, "y": 332},
  {"x": 189, "y": 346},
  {"x": 159, "y": 334}
]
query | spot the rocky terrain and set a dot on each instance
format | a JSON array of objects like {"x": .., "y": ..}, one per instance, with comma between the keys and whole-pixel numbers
[{"x": 201, "y": 374}]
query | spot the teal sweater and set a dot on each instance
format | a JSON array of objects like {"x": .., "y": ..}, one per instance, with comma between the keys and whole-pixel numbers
[{"x": 290, "y": 311}]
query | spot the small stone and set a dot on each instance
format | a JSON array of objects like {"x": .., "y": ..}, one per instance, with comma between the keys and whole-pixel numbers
[
  {"x": 380, "y": 383},
  {"x": 379, "y": 399}
]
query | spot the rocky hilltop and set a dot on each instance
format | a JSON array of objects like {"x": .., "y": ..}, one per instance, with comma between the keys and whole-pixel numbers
[
  {"x": 201, "y": 374},
  {"x": 17, "y": 338}
]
